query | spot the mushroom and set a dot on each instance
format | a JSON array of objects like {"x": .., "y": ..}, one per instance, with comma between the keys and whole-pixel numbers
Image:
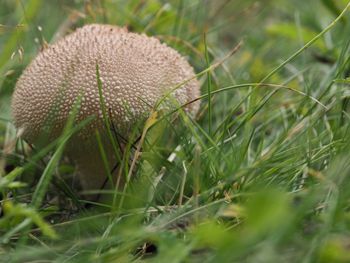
[{"x": 136, "y": 72}]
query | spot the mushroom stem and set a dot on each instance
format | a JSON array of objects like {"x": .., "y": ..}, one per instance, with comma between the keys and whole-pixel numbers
[{"x": 92, "y": 171}]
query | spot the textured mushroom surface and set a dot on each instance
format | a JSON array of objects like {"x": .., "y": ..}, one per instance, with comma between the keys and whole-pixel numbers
[{"x": 135, "y": 70}]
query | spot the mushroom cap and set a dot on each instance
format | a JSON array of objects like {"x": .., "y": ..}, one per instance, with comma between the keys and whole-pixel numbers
[{"x": 136, "y": 71}]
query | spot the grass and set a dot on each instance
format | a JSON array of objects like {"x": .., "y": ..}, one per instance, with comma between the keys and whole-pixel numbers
[{"x": 260, "y": 175}]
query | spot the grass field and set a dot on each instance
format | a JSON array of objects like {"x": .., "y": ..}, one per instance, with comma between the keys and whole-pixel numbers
[{"x": 260, "y": 175}]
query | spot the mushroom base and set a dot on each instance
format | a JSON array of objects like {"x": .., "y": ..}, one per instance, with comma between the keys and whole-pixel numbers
[{"x": 92, "y": 172}]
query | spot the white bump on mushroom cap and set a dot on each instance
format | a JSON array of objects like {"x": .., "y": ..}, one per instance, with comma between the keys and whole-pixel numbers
[{"x": 135, "y": 70}]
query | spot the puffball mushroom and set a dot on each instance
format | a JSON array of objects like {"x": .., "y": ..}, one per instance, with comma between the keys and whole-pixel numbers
[{"x": 135, "y": 70}]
